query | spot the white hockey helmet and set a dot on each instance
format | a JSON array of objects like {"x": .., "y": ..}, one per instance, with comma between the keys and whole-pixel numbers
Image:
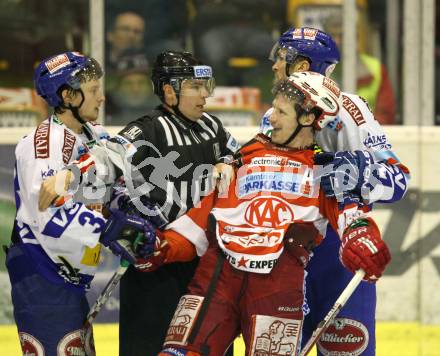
[{"x": 318, "y": 92}]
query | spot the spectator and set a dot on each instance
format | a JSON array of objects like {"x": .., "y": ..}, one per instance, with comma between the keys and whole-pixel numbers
[
  {"x": 126, "y": 32},
  {"x": 132, "y": 95}
]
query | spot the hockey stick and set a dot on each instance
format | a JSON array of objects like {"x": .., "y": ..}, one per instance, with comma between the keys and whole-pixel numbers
[
  {"x": 102, "y": 299},
  {"x": 340, "y": 302},
  {"x": 105, "y": 294}
]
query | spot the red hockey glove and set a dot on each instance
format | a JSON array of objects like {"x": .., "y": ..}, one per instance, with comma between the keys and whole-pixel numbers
[
  {"x": 362, "y": 247},
  {"x": 152, "y": 259}
]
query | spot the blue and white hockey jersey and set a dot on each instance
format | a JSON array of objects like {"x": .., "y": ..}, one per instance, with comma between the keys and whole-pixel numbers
[
  {"x": 355, "y": 128},
  {"x": 63, "y": 242}
]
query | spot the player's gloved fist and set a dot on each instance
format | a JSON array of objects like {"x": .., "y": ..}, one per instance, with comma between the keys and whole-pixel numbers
[
  {"x": 121, "y": 232},
  {"x": 343, "y": 171},
  {"x": 363, "y": 247},
  {"x": 152, "y": 256}
]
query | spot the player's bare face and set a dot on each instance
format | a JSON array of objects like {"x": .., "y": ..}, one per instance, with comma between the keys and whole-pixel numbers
[
  {"x": 279, "y": 66},
  {"x": 93, "y": 98},
  {"x": 193, "y": 96},
  {"x": 283, "y": 119}
]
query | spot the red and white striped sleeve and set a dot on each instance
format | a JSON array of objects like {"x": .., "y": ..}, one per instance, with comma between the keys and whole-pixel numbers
[{"x": 193, "y": 225}]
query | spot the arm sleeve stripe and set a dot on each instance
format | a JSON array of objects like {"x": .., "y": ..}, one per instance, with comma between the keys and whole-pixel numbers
[
  {"x": 170, "y": 141},
  {"x": 186, "y": 227}
]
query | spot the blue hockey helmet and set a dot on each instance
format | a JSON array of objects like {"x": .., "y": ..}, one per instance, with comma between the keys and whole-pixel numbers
[
  {"x": 64, "y": 70},
  {"x": 314, "y": 44}
]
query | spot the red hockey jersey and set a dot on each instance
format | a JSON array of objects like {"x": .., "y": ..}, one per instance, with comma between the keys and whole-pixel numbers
[{"x": 274, "y": 187}]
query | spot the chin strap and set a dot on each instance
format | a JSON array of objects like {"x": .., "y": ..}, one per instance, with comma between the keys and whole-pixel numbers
[
  {"x": 75, "y": 109},
  {"x": 287, "y": 69},
  {"x": 178, "y": 112},
  {"x": 295, "y": 133}
]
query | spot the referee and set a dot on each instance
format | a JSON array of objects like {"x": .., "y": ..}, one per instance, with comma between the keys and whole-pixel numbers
[{"x": 173, "y": 146}]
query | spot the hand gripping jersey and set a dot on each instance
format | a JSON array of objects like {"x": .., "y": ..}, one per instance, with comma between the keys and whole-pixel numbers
[
  {"x": 62, "y": 242},
  {"x": 274, "y": 188},
  {"x": 356, "y": 129}
]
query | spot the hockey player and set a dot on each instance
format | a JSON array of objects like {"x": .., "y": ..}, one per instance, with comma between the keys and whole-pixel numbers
[
  {"x": 258, "y": 237},
  {"x": 169, "y": 157},
  {"x": 355, "y": 131},
  {"x": 54, "y": 254}
]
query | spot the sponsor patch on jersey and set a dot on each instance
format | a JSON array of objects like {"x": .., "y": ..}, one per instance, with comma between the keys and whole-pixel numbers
[
  {"x": 131, "y": 133},
  {"x": 251, "y": 265},
  {"x": 344, "y": 337},
  {"x": 72, "y": 344},
  {"x": 30, "y": 345},
  {"x": 232, "y": 144},
  {"x": 280, "y": 182},
  {"x": 57, "y": 63},
  {"x": 121, "y": 140},
  {"x": 183, "y": 319},
  {"x": 273, "y": 161},
  {"x": 104, "y": 136},
  {"x": 68, "y": 272},
  {"x": 275, "y": 336},
  {"x": 91, "y": 256},
  {"x": 69, "y": 143},
  {"x": 379, "y": 142},
  {"x": 41, "y": 140},
  {"x": 353, "y": 110},
  {"x": 288, "y": 309},
  {"x": 268, "y": 211},
  {"x": 49, "y": 173}
]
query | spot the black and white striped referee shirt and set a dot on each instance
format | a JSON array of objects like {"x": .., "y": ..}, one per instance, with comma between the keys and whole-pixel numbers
[{"x": 174, "y": 157}]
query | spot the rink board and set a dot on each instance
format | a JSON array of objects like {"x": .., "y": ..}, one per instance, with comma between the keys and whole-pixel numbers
[{"x": 393, "y": 339}]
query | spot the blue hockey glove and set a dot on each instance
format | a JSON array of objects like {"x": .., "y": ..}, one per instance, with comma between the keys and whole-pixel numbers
[
  {"x": 120, "y": 200},
  {"x": 154, "y": 215},
  {"x": 343, "y": 172},
  {"x": 121, "y": 232}
]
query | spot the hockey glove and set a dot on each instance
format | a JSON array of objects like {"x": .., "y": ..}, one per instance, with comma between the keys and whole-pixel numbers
[
  {"x": 362, "y": 247},
  {"x": 343, "y": 172},
  {"x": 153, "y": 255},
  {"x": 121, "y": 231},
  {"x": 120, "y": 200}
]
